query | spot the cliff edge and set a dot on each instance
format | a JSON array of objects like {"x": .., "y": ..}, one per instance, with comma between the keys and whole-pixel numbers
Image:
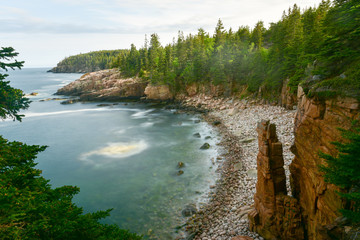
[{"x": 316, "y": 126}]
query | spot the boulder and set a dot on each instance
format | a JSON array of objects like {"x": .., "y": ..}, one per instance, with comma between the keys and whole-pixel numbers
[
  {"x": 215, "y": 123},
  {"x": 233, "y": 111},
  {"x": 105, "y": 85},
  {"x": 188, "y": 211},
  {"x": 197, "y": 135},
  {"x": 205, "y": 146},
  {"x": 180, "y": 165}
]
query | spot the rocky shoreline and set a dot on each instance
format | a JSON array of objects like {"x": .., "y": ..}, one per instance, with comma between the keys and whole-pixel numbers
[{"x": 225, "y": 215}]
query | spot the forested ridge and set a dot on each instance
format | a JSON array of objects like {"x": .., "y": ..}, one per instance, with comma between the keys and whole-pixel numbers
[
  {"x": 318, "y": 47},
  {"x": 89, "y": 62}
]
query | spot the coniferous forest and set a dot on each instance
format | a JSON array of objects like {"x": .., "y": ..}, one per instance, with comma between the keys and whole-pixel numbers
[
  {"x": 316, "y": 47},
  {"x": 89, "y": 62}
]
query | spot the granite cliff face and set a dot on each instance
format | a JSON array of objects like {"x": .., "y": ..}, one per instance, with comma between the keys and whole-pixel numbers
[
  {"x": 105, "y": 85},
  {"x": 109, "y": 85},
  {"x": 314, "y": 204},
  {"x": 275, "y": 215},
  {"x": 158, "y": 92},
  {"x": 316, "y": 124}
]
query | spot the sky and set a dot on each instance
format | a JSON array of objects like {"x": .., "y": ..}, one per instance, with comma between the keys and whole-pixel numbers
[{"x": 44, "y": 32}]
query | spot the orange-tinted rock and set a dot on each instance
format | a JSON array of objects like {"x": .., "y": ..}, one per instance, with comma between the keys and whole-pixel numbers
[
  {"x": 191, "y": 89},
  {"x": 275, "y": 215},
  {"x": 316, "y": 124},
  {"x": 104, "y": 85},
  {"x": 158, "y": 92}
]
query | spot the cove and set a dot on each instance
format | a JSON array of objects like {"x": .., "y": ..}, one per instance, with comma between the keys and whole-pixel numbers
[{"x": 122, "y": 155}]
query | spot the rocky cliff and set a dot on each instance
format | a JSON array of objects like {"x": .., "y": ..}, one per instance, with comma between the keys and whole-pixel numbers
[
  {"x": 158, "y": 92},
  {"x": 275, "y": 215},
  {"x": 314, "y": 205},
  {"x": 316, "y": 124},
  {"x": 109, "y": 85},
  {"x": 105, "y": 85}
]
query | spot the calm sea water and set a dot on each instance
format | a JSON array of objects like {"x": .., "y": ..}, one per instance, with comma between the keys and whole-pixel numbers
[{"x": 121, "y": 156}]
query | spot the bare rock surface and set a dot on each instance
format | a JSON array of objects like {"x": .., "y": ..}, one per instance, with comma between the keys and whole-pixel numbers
[
  {"x": 158, "y": 92},
  {"x": 316, "y": 126},
  {"x": 105, "y": 85}
]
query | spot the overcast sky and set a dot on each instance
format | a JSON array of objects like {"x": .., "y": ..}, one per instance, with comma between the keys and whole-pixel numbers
[{"x": 46, "y": 31}]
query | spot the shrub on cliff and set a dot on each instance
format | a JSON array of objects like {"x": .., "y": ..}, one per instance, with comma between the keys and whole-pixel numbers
[{"x": 343, "y": 171}]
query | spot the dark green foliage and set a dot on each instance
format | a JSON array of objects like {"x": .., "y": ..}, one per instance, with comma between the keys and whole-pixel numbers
[
  {"x": 29, "y": 207},
  {"x": 92, "y": 61},
  {"x": 321, "y": 41},
  {"x": 12, "y": 100},
  {"x": 340, "y": 49},
  {"x": 343, "y": 171}
]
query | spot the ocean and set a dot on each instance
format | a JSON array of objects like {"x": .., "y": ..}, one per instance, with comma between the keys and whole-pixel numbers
[{"x": 122, "y": 155}]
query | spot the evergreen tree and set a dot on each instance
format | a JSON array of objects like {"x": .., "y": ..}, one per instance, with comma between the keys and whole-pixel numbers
[
  {"x": 257, "y": 34},
  {"x": 343, "y": 171},
  {"x": 12, "y": 100}
]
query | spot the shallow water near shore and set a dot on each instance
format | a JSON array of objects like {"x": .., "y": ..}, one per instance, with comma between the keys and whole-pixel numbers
[{"x": 122, "y": 156}]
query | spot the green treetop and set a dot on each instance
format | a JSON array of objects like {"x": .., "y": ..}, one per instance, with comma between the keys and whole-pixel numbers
[{"x": 343, "y": 171}]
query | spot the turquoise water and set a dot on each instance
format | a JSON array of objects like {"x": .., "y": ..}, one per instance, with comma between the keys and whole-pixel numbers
[{"x": 122, "y": 156}]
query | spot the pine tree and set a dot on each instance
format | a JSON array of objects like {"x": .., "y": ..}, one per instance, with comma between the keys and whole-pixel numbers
[
  {"x": 343, "y": 171},
  {"x": 12, "y": 100}
]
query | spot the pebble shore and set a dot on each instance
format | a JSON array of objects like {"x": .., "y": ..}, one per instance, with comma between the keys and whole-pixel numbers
[{"x": 224, "y": 217}]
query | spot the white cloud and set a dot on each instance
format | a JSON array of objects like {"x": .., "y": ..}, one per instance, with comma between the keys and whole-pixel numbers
[{"x": 85, "y": 25}]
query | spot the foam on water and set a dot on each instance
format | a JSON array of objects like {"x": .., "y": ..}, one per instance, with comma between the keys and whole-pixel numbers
[
  {"x": 37, "y": 114},
  {"x": 142, "y": 114},
  {"x": 147, "y": 124},
  {"x": 114, "y": 151}
]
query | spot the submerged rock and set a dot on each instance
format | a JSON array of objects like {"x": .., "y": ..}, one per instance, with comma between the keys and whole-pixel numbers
[
  {"x": 70, "y": 101},
  {"x": 180, "y": 165},
  {"x": 205, "y": 146},
  {"x": 103, "y": 105},
  {"x": 188, "y": 211},
  {"x": 215, "y": 123},
  {"x": 180, "y": 172},
  {"x": 197, "y": 135}
]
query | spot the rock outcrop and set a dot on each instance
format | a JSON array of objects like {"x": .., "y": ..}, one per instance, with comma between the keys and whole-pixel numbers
[
  {"x": 275, "y": 215},
  {"x": 316, "y": 124},
  {"x": 288, "y": 99},
  {"x": 158, "y": 92},
  {"x": 105, "y": 85}
]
